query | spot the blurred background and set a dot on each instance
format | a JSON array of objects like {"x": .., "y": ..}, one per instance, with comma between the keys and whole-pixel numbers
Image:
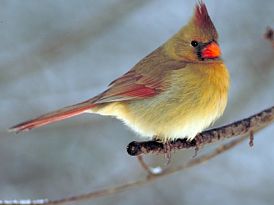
[{"x": 55, "y": 53}]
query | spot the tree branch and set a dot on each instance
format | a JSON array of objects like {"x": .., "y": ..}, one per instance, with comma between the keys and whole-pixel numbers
[
  {"x": 241, "y": 127},
  {"x": 269, "y": 35}
]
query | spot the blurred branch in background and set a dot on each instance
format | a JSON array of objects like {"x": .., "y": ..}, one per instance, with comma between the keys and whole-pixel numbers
[
  {"x": 126, "y": 186},
  {"x": 269, "y": 35},
  {"x": 55, "y": 48}
]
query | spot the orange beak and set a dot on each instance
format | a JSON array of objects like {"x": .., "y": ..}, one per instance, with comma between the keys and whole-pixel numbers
[{"x": 212, "y": 50}]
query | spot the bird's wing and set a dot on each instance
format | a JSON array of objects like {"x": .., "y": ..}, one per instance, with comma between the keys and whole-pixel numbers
[{"x": 145, "y": 79}]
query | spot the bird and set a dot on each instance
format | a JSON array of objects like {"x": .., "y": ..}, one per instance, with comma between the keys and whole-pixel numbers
[{"x": 176, "y": 91}]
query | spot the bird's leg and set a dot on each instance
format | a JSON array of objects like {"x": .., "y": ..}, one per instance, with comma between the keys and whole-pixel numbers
[
  {"x": 196, "y": 152},
  {"x": 251, "y": 138},
  {"x": 167, "y": 145},
  {"x": 156, "y": 170},
  {"x": 167, "y": 150}
]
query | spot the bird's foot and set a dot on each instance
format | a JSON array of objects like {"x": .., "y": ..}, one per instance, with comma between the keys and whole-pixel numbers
[
  {"x": 251, "y": 138},
  {"x": 167, "y": 146},
  {"x": 167, "y": 150}
]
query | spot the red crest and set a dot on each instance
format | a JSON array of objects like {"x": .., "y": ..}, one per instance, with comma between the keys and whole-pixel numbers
[{"x": 203, "y": 20}]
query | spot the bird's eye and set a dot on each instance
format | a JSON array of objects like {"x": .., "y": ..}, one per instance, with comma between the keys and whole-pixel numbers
[{"x": 194, "y": 43}]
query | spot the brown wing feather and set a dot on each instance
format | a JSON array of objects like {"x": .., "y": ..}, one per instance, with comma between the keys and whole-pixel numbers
[{"x": 145, "y": 79}]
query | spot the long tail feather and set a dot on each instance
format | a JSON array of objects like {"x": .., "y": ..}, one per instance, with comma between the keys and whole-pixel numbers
[{"x": 54, "y": 116}]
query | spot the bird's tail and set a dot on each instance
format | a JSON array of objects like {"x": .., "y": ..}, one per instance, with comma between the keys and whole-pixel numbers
[{"x": 54, "y": 116}]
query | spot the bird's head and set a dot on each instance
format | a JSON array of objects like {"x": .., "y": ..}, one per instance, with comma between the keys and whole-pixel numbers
[{"x": 198, "y": 40}]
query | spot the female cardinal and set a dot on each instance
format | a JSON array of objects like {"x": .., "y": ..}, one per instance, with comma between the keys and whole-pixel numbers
[{"x": 175, "y": 92}]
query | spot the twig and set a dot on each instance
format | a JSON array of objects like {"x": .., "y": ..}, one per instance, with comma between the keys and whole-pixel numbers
[
  {"x": 269, "y": 35},
  {"x": 24, "y": 201},
  {"x": 150, "y": 170},
  {"x": 241, "y": 127},
  {"x": 144, "y": 165},
  {"x": 126, "y": 186}
]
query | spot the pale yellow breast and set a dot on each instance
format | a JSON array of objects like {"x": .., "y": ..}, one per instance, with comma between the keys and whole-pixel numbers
[{"x": 196, "y": 97}]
